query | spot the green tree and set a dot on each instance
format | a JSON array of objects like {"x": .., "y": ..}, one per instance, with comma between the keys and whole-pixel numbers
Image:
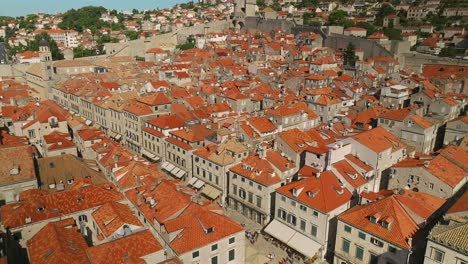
[
  {"x": 132, "y": 35},
  {"x": 80, "y": 52},
  {"x": 261, "y": 3},
  {"x": 384, "y": 11},
  {"x": 371, "y": 29},
  {"x": 34, "y": 45},
  {"x": 449, "y": 52},
  {"x": 84, "y": 18},
  {"x": 350, "y": 57},
  {"x": 275, "y": 5},
  {"x": 307, "y": 18},
  {"x": 339, "y": 18},
  {"x": 392, "y": 33},
  {"x": 189, "y": 44}
]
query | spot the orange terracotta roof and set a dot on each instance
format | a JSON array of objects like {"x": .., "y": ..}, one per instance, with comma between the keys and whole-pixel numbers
[
  {"x": 379, "y": 140},
  {"x": 399, "y": 208},
  {"x": 347, "y": 171},
  {"x": 128, "y": 249},
  {"x": 261, "y": 124},
  {"x": 113, "y": 216},
  {"x": 55, "y": 243},
  {"x": 193, "y": 225},
  {"x": 324, "y": 193},
  {"x": 257, "y": 169},
  {"x": 58, "y": 204}
]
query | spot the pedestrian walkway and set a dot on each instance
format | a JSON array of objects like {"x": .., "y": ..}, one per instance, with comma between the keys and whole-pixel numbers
[{"x": 258, "y": 252}]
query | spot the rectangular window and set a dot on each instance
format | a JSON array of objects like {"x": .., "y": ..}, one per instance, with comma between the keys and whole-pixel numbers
[
  {"x": 362, "y": 235},
  {"x": 283, "y": 198},
  {"x": 250, "y": 197},
  {"x": 259, "y": 201},
  {"x": 315, "y": 214},
  {"x": 232, "y": 240},
  {"x": 234, "y": 189},
  {"x": 376, "y": 242},
  {"x": 392, "y": 249},
  {"x": 293, "y": 203},
  {"x": 259, "y": 187},
  {"x": 347, "y": 228},
  {"x": 345, "y": 246},
  {"x": 303, "y": 208},
  {"x": 231, "y": 255},
  {"x": 313, "y": 231},
  {"x": 281, "y": 214},
  {"x": 214, "y": 260},
  {"x": 242, "y": 193},
  {"x": 359, "y": 252},
  {"x": 303, "y": 225},
  {"x": 214, "y": 247},
  {"x": 195, "y": 254},
  {"x": 437, "y": 255},
  {"x": 292, "y": 219}
]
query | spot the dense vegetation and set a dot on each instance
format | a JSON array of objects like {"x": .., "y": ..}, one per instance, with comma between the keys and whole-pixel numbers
[
  {"x": 84, "y": 18},
  {"x": 34, "y": 45}
]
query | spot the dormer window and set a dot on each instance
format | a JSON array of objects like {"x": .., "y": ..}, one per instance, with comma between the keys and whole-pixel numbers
[
  {"x": 374, "y": 218},
  {"x": 387, "y": 222}
]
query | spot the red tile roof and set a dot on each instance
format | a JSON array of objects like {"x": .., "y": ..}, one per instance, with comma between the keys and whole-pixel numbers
[
  {"x": 194, "y": 224},
  {"x": 58, "y": 204},
  {"x": 379, "y": 140},
  {"x": 324, "y": 193},
  {"x": 261, "y": 124},
  {"x": 405, "y": 211},
  {"x": 129, "y": 249},
  {"x": 20, "y": 157},
  {"x": 113, "y": 216},
  {"x": 55, "y": 243},
  {"x": 257, "y": 169}
]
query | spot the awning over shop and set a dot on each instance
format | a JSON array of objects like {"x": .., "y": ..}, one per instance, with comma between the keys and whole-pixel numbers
[
  {"x": 198, "y": 184},
  {"x": 164, "y": 165},
  {"x": 304, "y": 245},
  {"x": 118, "y": 137},
  {"x": 293, "y": 239},
  {"x": 112, "y": 134},
  {"x": 88, "y": 122},
  {"x": 192, "y": 181},
  {"x": 169, "y": 167},
  {"x": 280, "y": 231},
  {"x": 180, "y": 174},
  {"x": 149, "y": 155},
  {"x": 175, "y": 170},
  {"x": 211, "y": 192}
]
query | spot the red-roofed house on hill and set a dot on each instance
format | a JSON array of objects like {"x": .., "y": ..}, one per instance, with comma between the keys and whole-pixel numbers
[
  {"x": 305, "y": 211},
  {"x": 17, "y": 172},
  {"x": 387, "y": 230},
  {"x": 442, "y": 175}
]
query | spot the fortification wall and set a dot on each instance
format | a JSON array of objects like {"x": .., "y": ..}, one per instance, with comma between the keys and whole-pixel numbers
[{"x": 139, "y": 46}]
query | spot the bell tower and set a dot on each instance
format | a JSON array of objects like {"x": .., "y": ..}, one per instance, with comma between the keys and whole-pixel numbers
[{"x": 46, "y": 60}]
